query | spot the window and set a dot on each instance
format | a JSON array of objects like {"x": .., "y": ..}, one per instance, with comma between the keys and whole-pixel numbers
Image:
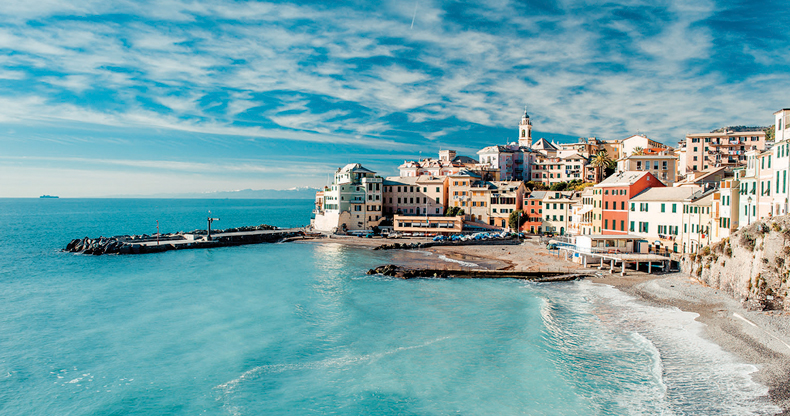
[
  {"x": 606, "y": 224},
  {"x": 622, "y": 205},
  {"x": 633, "y": 206},
  {"x": 622, "y": 225},
  {"x": 607, "y": 204},
  {"x": 662, "y": 208},
  {"x": 632, "y": 227}
]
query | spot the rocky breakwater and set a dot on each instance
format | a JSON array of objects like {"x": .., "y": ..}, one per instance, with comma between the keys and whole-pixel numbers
[
  {"x": 411, "y": 273},
  {"x": 140, "y": 244},
  {"x": 752, "y": 266}
]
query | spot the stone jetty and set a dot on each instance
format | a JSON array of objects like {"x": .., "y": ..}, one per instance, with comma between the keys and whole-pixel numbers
[
  {"x": 535, "y": 276},
  {"x": 140, "y": 244}
]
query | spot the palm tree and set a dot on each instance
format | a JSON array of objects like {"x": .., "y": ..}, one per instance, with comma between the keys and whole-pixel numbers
[
  {"x": 638, "y": 151},
  {"x": 602, "y": 161}
]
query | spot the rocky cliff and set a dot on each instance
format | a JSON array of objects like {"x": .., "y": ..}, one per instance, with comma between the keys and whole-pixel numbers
[{"x": 752, "y": 265}]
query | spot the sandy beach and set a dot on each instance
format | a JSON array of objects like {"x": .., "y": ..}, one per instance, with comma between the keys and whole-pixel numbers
[{"x": 761, "y": 338}]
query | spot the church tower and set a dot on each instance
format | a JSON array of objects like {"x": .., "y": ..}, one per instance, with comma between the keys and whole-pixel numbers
[{"x": 525, "y": 131}]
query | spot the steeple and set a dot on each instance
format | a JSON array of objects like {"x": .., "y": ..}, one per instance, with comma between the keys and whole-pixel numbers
[{"x": 525, "y": 130}]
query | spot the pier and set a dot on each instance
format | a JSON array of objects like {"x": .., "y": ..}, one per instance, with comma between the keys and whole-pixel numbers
[{"x": 141, "y": 244}]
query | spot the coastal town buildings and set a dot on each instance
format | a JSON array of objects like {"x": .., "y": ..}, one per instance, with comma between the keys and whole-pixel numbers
[
  {"x": 415, "y": 195},
  {"x": 557, "y": 211},
  {"x": 352, "y": 202},
  {"x": 617, "y": 190},
  {"x": 637, "y": 142},
  {"x": 697, "y": 221},
  {"x": 532, "y": 208},
  {"x": 782, "y": 125},
  {"x": 655, "y": 214},
  {"x": 728, "y": 148},
  {"x": 726, "y": 203},
  {"x": 448, "y": 163},
  {"x": 765, "y": 207},
  {"x": 663, "y": 165},
  {"x": 781, "y": 157}
]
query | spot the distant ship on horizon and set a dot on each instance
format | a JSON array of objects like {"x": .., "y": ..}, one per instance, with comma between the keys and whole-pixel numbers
[{"x": 49, "y": 196}]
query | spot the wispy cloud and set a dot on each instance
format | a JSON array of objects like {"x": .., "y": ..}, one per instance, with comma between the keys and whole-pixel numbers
[{"x": 349, "y": 74}]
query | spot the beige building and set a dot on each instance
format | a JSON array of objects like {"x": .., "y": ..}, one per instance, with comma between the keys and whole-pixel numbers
[
  {"x": 415, "y": 195},
  {"x": 427, "y": 225},
  {"x": 663, "y": 166},
  {"x": 708, "y": 150},
  {"x": 557, "y": 210}
]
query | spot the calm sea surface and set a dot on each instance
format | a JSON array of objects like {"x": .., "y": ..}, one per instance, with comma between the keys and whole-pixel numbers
[{"x": 299, "y": 329}]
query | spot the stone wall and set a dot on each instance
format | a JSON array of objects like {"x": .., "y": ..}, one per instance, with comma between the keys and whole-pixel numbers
[{"x": 752, "y": 266}]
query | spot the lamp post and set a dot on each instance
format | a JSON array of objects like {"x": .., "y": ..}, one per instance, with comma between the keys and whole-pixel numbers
[
  {"x": 210, "y": 220},
  {"x": 749, "y": 211}
]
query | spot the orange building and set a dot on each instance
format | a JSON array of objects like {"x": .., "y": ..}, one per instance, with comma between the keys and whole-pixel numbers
[
  {"x": 617, "y": 190},
  {"x": 533, "y": 212}
]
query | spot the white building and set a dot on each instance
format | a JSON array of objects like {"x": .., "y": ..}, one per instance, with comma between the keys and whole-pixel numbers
[
  {"x": 656, "y": 215},
  {"x": 352, "y": 203},
  {"x": 782, "y": 125}
]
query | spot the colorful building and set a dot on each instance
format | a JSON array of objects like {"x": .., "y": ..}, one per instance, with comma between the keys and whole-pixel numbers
[{"x": 618, "y": 189}]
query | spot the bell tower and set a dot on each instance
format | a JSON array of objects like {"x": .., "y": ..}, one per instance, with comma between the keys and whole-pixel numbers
[{"x": 525, "y": 130}]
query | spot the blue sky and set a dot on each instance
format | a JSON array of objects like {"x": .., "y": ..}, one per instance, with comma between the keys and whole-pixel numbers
[{"x": 133, "y": 97}]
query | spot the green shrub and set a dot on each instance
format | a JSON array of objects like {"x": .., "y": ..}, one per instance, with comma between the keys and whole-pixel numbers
[
  {"x": 776, "y": 227},
  {"x": 705, "y": 251}
]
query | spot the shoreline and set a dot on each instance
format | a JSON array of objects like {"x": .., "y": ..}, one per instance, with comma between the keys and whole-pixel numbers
[{"x": 760, "y": 338}]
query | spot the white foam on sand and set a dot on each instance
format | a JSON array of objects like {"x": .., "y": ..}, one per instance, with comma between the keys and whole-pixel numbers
[
  {"x": 664, "y": 364},
  {"x": 461, "y": 262}
]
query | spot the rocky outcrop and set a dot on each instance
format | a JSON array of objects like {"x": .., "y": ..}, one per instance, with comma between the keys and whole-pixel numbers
[
  {"x": 410, "y": 273},
  {"x": 752, "y": 266}
]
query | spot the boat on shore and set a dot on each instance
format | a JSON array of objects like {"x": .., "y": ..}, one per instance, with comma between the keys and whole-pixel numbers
[{"x": 49, "y": 196}]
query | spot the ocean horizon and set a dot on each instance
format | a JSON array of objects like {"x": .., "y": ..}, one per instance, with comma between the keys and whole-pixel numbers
[{"x": 299, "y": 328}]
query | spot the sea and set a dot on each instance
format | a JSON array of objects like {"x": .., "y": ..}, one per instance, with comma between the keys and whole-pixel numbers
[{"x": 300, "y": 329}]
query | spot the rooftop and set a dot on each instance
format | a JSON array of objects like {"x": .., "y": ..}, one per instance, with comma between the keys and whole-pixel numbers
[
  {"x": 623, "y": 178},
  {"x": 665, "y": 194}
]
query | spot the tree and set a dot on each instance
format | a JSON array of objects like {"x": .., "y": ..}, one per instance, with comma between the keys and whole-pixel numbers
[
  {"x": 603, "y": 162},
  {"x": 454, "y": 212},
  {"x": 769, "y": 133},
  {"x": 638, "y": 151},
  {"x": 535, "y": 186},
  {"x": 559, "y": 186},
  {"x": 516, "y": 219}
]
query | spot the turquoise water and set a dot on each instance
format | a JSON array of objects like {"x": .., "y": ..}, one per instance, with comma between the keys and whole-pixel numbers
[{"x": 300, "y": 329}]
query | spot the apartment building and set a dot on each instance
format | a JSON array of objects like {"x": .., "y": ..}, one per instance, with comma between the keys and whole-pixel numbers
[
  {"x": 781, "y": 158},
  {"x": 447, "y": 164},
  {"x": 747, "y": 183},
  {"x": 584, "y": 213},
  {"x": 532, "y": 208},
  {"x": 352, "y": 202},
  {"x": 782, "y": 125},
  {"x": 697, "y": 221},
  {"x": 551, "y": 170},
  {"x": 617, "y": 190},
  {"x": 656, "y": 215},
  {"x": 415, "y": 195},
  {"x": 706, "y": 150},
  {"x": 726, "y": 203},
  {"x": 557, "y": 211},
  {"x": 628, "y": 145},
  {"x": 765, "y": 173},
  {"x": 663, "y": 165},
  {"x": 504, "y": 197}
]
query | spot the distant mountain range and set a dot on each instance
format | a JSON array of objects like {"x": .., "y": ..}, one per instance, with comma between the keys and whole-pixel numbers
[{"x": 293, "y": 193}]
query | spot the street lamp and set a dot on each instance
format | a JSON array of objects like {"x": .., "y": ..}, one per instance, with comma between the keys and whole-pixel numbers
[{"x": 749, "y": 211}]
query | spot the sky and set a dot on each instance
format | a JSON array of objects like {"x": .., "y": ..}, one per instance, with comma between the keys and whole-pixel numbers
[{"x": 101, "y": 98}]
